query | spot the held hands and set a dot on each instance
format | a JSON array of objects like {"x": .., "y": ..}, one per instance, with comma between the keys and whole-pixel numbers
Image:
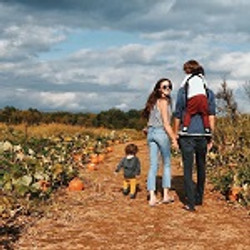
[{"x": 175, "y": 144}]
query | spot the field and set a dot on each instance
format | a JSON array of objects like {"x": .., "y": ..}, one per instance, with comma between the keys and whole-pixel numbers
[{"x": 39, "y": 210}]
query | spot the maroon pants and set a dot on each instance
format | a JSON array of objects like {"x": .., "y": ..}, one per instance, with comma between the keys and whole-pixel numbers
[{"x": 197, "y": 104}]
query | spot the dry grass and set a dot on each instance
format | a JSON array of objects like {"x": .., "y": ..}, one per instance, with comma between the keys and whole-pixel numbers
[{"x": 54, "y": 129}]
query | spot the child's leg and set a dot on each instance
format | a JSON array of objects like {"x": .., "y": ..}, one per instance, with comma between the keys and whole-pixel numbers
[
  {"x": 203, "y": 109},
  {"x": 132, "y": 186},
  {"x": 191, "y": 109},
  {"x": 125, "y": 186}
]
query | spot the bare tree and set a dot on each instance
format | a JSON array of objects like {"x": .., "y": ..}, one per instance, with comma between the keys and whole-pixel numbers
[
  {"x": 226, "y": 103},
  {"x": 246, "y": 88}
]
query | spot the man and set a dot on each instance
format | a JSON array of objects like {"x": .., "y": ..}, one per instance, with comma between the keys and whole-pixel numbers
[{"x": 193, "y": 143}]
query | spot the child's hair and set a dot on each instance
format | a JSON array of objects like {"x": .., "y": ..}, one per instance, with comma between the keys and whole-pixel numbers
[
  {"x": 193, "y": 67},
  {"x": 131, "y": 149}
]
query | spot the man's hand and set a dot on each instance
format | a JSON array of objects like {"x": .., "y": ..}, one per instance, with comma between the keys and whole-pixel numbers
[{"x": 209, "y": 145}]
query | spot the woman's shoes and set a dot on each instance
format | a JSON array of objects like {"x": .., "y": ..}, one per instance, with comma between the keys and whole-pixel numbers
[
  {"x": 188, "y": 208},
  {"x": 153, "y": 203},
  {"x": 169, "y": 200},
  {"x": 157, "y": 202}
]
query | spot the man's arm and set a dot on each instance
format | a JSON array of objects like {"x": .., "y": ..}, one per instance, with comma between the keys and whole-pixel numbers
[
  {"x": 178, "y": 112},
  {"x": 212, "y": 110},
  {"x": 212, "y": 122},
  {"x": 177, "y": 123}
]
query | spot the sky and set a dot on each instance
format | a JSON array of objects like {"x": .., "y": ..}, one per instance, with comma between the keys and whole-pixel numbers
[{"x": 93, "y": 55}]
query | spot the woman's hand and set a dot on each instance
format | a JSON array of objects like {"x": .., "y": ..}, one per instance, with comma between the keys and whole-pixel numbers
[
  {"x": 175, "y": 144},
  {"x": 145, "y": 130}
]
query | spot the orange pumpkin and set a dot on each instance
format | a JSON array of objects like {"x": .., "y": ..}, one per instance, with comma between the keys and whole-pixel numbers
[
  {"x": 235, "y": 190},
  {"x": 91, "y": 167},
  {"x": 77, "y": 157},
  {"x": 100, "y": 158},
  {"x": 76, "y": 185},
  {"x": 90, "y": 148},
  {"x": 234, "y": 193},
  {"x": 232, "y": 197},
  {"x": 109, "y": 149},
  {"x": 94, "y": 158}
]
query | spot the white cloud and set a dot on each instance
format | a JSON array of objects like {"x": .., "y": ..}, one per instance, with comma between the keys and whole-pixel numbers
[
  {"x": 56, "y": 100},
  {"x": 122, "y": 106},
  {"x": 235, "y": 64}
]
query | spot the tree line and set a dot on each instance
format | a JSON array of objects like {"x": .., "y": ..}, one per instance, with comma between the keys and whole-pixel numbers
[{"x": 112, "y": 118}]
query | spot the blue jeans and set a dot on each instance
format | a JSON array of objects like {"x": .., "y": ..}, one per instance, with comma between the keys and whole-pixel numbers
[{"x": 158, "y": 141}]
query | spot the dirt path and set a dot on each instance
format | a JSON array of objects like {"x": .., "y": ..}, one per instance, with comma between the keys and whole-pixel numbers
[{"x": 100, "y": 217}]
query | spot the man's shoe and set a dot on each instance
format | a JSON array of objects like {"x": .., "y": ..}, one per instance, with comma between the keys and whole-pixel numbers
[
  {"x": 188, "y": 208},
  {"x": 198, "y": 203}
]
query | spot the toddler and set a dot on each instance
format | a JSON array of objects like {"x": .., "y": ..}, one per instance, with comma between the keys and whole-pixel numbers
[
  {"x": 131, "y": 168},
  {"x": 196, "y": 96}
]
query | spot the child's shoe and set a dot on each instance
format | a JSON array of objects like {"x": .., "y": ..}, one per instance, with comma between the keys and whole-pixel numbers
[
  {"x": 132, "y": 196},
  {"x": 208, "y": 131},
  {"x": 184, "y": 131},
  {"x": 125, "y": 191}
]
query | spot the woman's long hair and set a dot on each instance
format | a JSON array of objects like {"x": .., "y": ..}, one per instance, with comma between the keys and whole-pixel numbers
[{"x": 154, "y": 96}]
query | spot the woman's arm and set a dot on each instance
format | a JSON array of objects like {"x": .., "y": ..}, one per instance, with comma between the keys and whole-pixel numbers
[{"x": 163, "y": 107}]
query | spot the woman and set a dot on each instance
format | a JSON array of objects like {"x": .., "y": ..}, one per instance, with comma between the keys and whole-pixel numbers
[{"x": 159, "y": 132}]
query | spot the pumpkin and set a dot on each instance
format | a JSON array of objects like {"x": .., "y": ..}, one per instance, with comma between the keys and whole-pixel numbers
[
  {"x": 109, "y": 149},
  {"x": 91, "y": 167},
  {"x": 77, "y": 157},
  {"x": 236, "y": 190},
  {"x": 90, "y": 148},
  {"x": 76, "y": 185},
  {"x": 100, "y": 158},
  {"x": 234, "y": 193},
  {"x": 94, "y": 158}
]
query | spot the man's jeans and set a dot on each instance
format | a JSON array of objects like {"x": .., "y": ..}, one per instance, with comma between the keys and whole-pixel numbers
[
  {"x": 190, "y": 146},
  {"x": 158, "y": 141}
]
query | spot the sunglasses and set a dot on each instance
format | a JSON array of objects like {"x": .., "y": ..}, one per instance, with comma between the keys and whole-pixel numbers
[{"x": 166, "y": 87}]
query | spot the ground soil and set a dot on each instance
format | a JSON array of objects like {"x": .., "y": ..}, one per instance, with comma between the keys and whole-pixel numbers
[{"x": 100, "y": 217}]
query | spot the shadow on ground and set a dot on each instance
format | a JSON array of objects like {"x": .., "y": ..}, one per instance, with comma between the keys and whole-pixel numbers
[{"x": 9, "y": 235}]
